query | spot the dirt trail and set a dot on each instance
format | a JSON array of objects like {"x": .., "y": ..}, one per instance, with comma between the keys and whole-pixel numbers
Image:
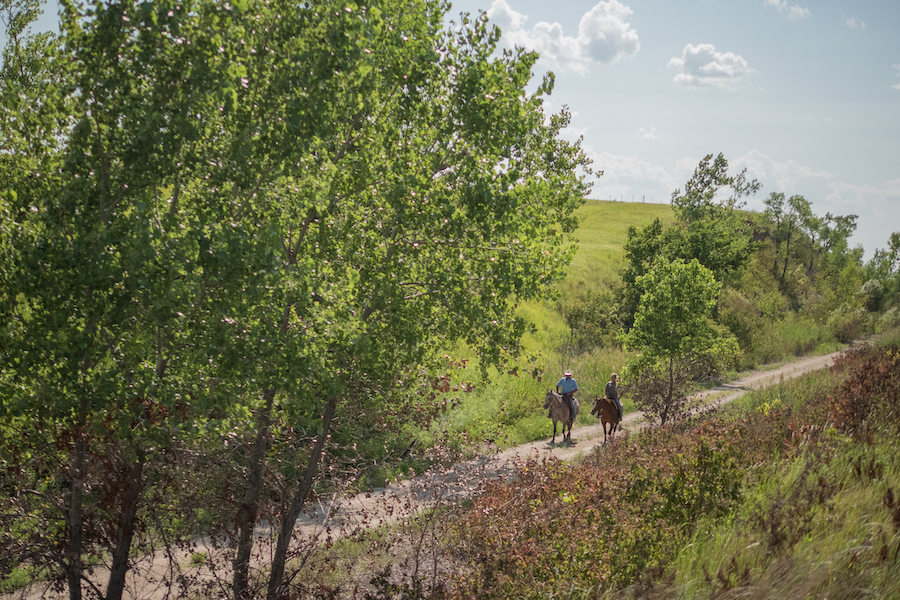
[{"x": 151, "y": 578}]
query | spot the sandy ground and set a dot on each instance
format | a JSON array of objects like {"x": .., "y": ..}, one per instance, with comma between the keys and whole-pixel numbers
[{"x": 153, "y": 577}]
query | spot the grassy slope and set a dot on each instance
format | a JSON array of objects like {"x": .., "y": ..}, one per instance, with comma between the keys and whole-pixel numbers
[
  {"x": 598, "y": 262},
  {"x": 602, "y": 236}
]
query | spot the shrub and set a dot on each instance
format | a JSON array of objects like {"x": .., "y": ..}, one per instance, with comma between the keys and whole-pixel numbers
[
  {"x": 872, "y": 294},
  {"x": 847, "y": 324},
  {"x": 871, "y": 391},
  {"x": 888, "y": 320},
  {"x": 604, "y": 523}
]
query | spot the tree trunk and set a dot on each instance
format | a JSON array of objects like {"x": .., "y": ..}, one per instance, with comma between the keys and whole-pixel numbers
[
  {"x": 125, "y": 529},
  {"x": 276, "y": 577},
  {"x": 671, "y": 392},
  {"x": 787, "y": 254},
  {"x": 75, "y": 517},
  {"x": 250, "y": 506}
]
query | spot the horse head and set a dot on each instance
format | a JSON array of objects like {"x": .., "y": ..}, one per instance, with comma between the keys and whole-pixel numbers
[{"x": 548, "y": 398}]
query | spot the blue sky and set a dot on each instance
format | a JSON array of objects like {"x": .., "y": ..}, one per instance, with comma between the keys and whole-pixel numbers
[{"x": 805, "y": 95}]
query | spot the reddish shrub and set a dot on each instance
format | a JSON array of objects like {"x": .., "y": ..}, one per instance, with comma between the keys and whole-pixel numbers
[{"x": 871, "y": 390}]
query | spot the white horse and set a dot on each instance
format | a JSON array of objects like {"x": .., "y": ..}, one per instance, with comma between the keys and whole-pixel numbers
[{"x": 560, "y": 412}]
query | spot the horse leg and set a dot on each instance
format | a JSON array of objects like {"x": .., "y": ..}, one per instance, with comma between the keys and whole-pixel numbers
[{"x": 553, "y": 441}]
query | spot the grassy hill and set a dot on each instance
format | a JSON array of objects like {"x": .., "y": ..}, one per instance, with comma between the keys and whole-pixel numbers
[
  {"x": 602, "y": 236},
  {"x": 506, "y": 407},
  {"x": 598, "y": 262}
]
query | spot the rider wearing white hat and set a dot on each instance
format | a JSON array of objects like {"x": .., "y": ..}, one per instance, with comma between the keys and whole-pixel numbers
[{"x": 567, "y": 387}]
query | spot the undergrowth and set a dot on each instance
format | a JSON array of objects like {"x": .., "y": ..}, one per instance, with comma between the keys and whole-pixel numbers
[{"x": 792, "y": 493}]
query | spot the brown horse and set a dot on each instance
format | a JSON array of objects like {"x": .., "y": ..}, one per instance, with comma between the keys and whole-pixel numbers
[
  {"x": 559, "y": 412},
  {"x": 606, "y": 410}
]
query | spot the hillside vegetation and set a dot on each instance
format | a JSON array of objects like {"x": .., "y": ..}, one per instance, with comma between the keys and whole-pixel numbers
[
  {"x": 255, "y": 255},
  {"x": 776, "y": 304},
  {"x": 505, "y": 406},
  {"x": 792, "y": 492}
]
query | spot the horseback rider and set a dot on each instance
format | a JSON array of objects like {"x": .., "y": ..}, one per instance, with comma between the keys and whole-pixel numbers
[
  {"x": 567, "y": 388},
  {"x": 612, "y": 392}
]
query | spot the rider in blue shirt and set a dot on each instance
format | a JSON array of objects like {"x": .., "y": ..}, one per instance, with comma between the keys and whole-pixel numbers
[{"x": 567, "y": 387}]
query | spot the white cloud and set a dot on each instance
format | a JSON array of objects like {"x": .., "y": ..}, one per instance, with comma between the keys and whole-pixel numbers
[
  {"x": 574, "y": 133},
  {"x": 704, "y": 66},
  {"x": 855, "y": 23},
  {"x": 604, "y": 36},
  {"x": 630, "y": 177},
  {"x": 505, "y": 17},
  {"x": 649, "y": 134},
  {"x": 896, "y": 86},
  {"x": 798, "y": 13},
  {"x": 788, "y": 177},
  {"x": 793, "y": 12}
]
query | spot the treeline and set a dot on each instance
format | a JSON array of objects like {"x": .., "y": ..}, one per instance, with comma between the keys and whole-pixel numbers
[{"x": 724, "y": 289}]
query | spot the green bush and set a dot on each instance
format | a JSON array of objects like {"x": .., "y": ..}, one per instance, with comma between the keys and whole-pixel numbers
[
  {"x": 847, "y": 324},
  {"x": 795, "y": 336},
  {"x": 890, "y": 319}
]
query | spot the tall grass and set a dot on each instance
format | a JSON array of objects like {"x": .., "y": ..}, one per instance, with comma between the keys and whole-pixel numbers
[
  {"x": 794, "y": 336},
  {"x": 814, "y": 526},
  {"x": 821, "y": 509}
]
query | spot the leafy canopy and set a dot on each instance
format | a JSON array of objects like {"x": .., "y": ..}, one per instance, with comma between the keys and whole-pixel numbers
[
  {"x": 220, "y": 217},
  {"x": 673, "y": 315}
]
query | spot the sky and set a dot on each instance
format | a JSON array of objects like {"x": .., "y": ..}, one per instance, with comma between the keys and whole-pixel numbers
[{"x": 805, "y": 96}]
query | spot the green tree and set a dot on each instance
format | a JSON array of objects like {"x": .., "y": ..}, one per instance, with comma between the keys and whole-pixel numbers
[
  {"x": 884, "y": 268},
  {"x": 100, "y": 280},
  {"x": 26, "y": 56},
  {"x": 712, "y": 229},
  {"x": 834, "y": 249},
  {"x": 798, "y": 220},
  {"x": 642, "y": 249},
  {"x": 786, "y": 218},
  {"x": 261, "y": 218},
  {"x": 672, "y": 327}
]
